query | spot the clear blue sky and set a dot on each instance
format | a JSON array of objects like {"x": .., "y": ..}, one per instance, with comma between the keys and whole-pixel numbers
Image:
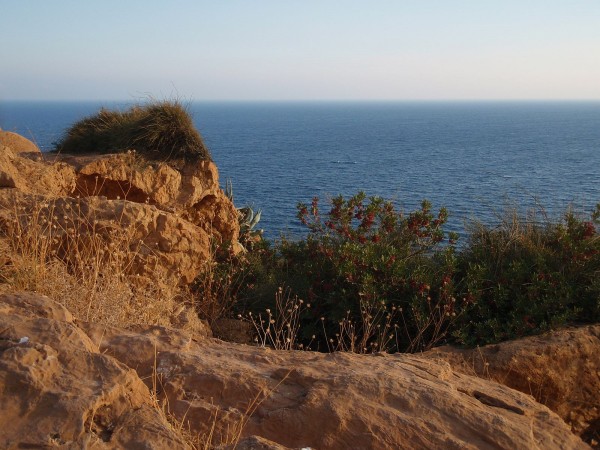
[{"x": 300, "y": 49}]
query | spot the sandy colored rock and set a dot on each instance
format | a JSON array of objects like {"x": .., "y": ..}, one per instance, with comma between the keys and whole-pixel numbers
[
  {"x": 154, "y": 240},
  {"x": 192, "y": 191},
  {"x": 81, "y": 384},
  {"x": 177, "y": 212},
  {"x": 302, "y": 399},
  {"x": 57, "y": 390},
  {"x": 34, "y": 176},
  {"x": 560, "y": 369},
  {"x": 17, "y": 143}
]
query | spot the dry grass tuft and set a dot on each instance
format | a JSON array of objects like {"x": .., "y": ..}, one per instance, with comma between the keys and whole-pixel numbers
[
  {"x": 158, "y": 130},
  {"x": 82, "y": 265}
]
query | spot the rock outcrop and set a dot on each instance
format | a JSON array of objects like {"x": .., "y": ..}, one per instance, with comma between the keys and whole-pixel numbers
[
  {"x": 17, "y": 143},
  {"x": 28, "y": 173},
  {"x": 176, "y": 213},
  {"x": 560, "y": 369},
  {"x": 77, "y": 384},
  {"x": 192, "y": 192},
  {"x": 58, "y": 390}
]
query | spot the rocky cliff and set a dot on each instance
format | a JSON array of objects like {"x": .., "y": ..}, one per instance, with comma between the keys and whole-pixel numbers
[
  {"x": 81, "y": 385},
  {"x": 175, "y": 212}
]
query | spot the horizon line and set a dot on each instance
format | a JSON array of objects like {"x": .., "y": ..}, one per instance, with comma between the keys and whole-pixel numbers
[{"x": 315, "y": 100}]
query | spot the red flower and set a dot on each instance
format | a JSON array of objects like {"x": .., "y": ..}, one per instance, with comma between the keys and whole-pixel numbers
[{"x": 589, "y": 230}]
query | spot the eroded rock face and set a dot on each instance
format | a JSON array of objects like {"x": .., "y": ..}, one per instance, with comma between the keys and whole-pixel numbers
[
  {"x": 192, "y": 191},
  {"x": 58, "y": 390},
  {"x": 177, "y": 213},
  {"x": 150, "y": 238},
  {"x": 29, "y": 174},
  {"x": 301, "y": 399},
  {"x": 17, "y": 143},
  {"x": 560, "y": 369}
]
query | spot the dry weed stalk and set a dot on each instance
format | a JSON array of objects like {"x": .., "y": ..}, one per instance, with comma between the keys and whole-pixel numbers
[
  {"x": 279, "y": 329},
  {"x": 57, "y": 248}
]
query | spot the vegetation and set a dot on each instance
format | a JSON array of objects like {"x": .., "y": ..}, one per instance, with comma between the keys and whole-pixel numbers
[
  {"x": 370, "y": 278},
  {"x": 58, "y": 250},
  {"x": 526, "y": 275},
  {"x": 158, "y": 130}
]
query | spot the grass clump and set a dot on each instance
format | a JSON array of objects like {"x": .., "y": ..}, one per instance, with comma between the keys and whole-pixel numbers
[{"x": 158, "y": 130}]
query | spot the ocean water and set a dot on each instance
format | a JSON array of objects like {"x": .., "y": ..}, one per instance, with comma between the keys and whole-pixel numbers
[{"x": 474, "y": 158}]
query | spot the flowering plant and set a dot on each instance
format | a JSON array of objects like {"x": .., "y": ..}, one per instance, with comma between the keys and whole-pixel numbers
[{"x": 364, "y": 252}]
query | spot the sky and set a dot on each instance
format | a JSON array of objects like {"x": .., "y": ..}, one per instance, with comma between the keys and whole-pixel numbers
[{"x": 300, "y": 49}]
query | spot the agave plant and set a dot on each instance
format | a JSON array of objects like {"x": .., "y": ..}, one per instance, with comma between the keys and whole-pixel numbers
[{"x": 247, "y": 219}]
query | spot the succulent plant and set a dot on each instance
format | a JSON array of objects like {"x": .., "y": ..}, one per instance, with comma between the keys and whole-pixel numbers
[{"x": 247, "y": 220}]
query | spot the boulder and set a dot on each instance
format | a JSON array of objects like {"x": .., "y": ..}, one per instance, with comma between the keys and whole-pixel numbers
[
  {"x": 31, "y": 175},
  {"x": 329, "y": 401},
  {"x": 560, "y": 369},
  {"x": 149, "y": 238},
  {"x": 177, "y": 214},
  {"x": 80, "y": 385}
]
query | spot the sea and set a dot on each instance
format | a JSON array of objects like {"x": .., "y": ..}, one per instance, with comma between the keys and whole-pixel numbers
[{"x": 477, "y": 159}]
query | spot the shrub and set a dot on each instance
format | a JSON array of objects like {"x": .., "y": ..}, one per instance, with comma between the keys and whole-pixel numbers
[
  {"x": 374, "y": 275},
  {"x": 158, "y": 130},
  {"x": 526, "y": 276}
]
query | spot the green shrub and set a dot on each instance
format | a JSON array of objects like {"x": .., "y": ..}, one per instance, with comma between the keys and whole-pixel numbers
[
  {"x": 158, "y": 130},
  {"x": 526, "y": 276},
  {"x": 376, "y": 277},
  {"x": 370, "y": 278}
]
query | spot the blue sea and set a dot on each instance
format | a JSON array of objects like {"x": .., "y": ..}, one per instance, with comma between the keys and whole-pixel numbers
[{"x": 475, "y": 158}]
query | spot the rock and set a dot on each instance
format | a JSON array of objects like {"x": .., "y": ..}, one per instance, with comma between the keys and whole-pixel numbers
[
  {"x": 57, "y": 390},
  {"x": 253, "y": 443},
  {"x": 150, "y": 239},
  {"x": 177, "y": 214},
  {"x": 17, "y": 143},
  {"x": 79, "y": 384},
  {"x": 192, "y": 191},
  {"x": 560, "y": 369},
  {"x": 33, "y": 176},
  {"x": 302, "y": 399}
]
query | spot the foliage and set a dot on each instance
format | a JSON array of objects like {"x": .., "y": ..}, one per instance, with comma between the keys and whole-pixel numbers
[
  {"x": 378, "y": 279},
  {"x": 248, "y": 220},
  {"x": 158, "y": 130},
  {"x": 526, "y": 276},
  {"x": 368, "y": 271}
]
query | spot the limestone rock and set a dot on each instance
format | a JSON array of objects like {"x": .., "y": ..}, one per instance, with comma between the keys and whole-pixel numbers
[
  {"x": 17, "y": 143},
  {"x": 192, "y": 191},
  {"x": 151, "y": 238},
  {"x": 57, "y": 390},
  {"x": 302, "y": 399},
  {"x": 32, "y": 175},
  {"x": 561, "y": 369},
  {"x": 178, "y": 213},
  {"x": 80, "y": 385}
]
